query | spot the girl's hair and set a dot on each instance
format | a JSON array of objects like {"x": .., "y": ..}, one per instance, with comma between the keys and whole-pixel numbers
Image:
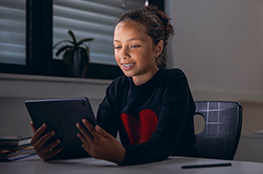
[{"x": 155, "y": 23}]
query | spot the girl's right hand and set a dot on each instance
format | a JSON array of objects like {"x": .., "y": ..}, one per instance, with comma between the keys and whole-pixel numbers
[{"x": 47, "y": 151}]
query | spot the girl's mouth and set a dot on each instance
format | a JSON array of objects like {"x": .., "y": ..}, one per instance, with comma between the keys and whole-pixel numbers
[{"x": 127, "y": 66}]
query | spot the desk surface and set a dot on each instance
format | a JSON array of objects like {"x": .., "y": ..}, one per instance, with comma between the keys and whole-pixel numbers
[{"x": 34, "y": 165}]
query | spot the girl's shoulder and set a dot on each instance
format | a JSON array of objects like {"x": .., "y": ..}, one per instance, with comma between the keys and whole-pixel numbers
[
  {"x": 173, "y": 74},
  {"x": 173, "y": 79},
  {"x": 173, "y": 82}
]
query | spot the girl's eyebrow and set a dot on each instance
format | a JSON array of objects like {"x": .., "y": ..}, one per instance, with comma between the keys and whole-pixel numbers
[{"x": 131, "y": 39}]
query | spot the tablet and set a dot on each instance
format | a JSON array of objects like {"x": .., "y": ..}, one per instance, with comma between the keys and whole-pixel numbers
[{"x": 61, "y": 115}]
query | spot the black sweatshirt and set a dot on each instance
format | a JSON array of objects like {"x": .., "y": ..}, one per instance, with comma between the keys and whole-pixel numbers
[{"x": 154, "y": 120}]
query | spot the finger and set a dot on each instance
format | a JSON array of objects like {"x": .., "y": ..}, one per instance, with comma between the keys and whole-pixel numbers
[
  {"x": 85, "y": 133},
  {"x": 52, "y": 153},
  {"x": 45, "y": 138},
  {"x": 84, "y": 141},
  {"x": 86, "y": 148},
  {"x": 39, "y": 145},
  {"x": 103, "y": 132},
  {"x": 32, "y": 126},
  {"x": 47, "y": 151},
  {"x": 90, "y": 127},
  {"x": 38, "y": 133},
  {"x": 49, "y": 148}
]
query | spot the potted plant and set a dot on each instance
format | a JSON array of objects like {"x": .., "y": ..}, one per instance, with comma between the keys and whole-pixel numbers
[{"x": 76, "y": 55}]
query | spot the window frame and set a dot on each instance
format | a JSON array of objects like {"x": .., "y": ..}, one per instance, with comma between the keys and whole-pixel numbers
[{"x": 39, "y": 42}]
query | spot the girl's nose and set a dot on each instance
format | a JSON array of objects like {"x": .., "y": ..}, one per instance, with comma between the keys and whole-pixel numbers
[{"x": 125, "y": 53}]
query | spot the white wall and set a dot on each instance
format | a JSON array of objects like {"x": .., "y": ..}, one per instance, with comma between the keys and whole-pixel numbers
[
  {"x": 15, "y": 89},
  {"x": 219, "y": 46}
]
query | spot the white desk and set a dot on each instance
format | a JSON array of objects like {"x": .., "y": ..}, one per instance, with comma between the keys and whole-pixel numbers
[
  {"x": 253, "y": 142},
  {"x": 34, "y": 165}
]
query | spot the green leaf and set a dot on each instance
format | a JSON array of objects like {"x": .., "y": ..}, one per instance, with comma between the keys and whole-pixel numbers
[
  {"x": 73, "y": 37},
  {"x": 61, "y": 42},
  {"x": 84, "y": 40},
  {"x": 63, "y": 49},
  {"x": 67, "y": 57}
]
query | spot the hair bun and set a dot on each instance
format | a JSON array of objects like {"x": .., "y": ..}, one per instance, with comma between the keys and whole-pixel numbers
[{"x": 163, "y": 19}]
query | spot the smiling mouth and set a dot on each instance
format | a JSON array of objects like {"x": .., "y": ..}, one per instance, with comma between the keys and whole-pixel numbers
[{"x": 128, "y": 65}]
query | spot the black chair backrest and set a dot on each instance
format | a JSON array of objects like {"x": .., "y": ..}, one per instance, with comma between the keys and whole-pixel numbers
[{"x": 223, "y": 121}]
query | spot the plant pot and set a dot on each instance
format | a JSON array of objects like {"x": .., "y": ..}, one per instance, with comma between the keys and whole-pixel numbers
[{"x": 77, "y": 67}]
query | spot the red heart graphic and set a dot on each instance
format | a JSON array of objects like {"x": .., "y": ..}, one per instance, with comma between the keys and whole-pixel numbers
[{"x": 139, "y": 131}]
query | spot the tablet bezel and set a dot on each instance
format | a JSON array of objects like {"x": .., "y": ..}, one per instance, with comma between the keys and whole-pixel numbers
[{"x": 61, "y": 115}]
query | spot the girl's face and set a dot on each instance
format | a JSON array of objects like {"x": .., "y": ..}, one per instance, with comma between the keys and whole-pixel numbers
[{"x": 135, "y": 53}]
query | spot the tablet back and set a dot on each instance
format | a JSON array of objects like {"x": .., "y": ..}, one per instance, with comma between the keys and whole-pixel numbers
[{"x": 61, "y": 115}]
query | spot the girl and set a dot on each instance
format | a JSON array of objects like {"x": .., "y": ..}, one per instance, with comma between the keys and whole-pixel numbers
[{"x": 151, "y": 108}]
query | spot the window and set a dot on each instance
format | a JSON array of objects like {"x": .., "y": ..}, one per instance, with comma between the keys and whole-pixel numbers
[
  {"x": 13, "y": 32},
  {"x": 30, "y": 28},
  {"x": 94, "y": 19}
]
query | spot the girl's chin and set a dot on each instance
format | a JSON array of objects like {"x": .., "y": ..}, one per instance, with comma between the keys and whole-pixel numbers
[{"x": 127, "y": 74}]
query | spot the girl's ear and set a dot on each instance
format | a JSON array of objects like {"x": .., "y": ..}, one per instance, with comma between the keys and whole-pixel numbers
[{"x": 158, "y": 48}]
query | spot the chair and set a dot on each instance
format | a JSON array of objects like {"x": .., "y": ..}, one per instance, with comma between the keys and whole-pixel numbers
[{"x": 223, "y": 121}]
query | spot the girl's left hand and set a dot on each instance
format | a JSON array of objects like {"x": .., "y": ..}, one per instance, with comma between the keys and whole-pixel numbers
[{"x": 103, "y": 145}]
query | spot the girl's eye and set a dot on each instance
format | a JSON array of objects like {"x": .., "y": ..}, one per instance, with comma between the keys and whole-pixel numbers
[
  {"x": 117, "y": 47},
  {"x": 135, "y": 46}
]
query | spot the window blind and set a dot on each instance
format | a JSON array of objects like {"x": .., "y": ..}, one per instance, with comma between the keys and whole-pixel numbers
[
  {"x": 13, "y": 32},
  {"x": 90, "y": 19}
]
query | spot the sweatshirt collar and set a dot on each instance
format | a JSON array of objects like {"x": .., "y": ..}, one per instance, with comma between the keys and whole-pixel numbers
[{"x": 146, "y": 86}]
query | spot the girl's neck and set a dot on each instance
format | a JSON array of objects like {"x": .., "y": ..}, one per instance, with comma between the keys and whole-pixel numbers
[{"x": 141, "y": 79}]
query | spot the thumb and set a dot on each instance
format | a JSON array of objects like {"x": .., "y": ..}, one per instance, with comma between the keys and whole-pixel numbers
[
  {"x": 32, "y": 126},
  {"x": 103, "y": 132}
]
